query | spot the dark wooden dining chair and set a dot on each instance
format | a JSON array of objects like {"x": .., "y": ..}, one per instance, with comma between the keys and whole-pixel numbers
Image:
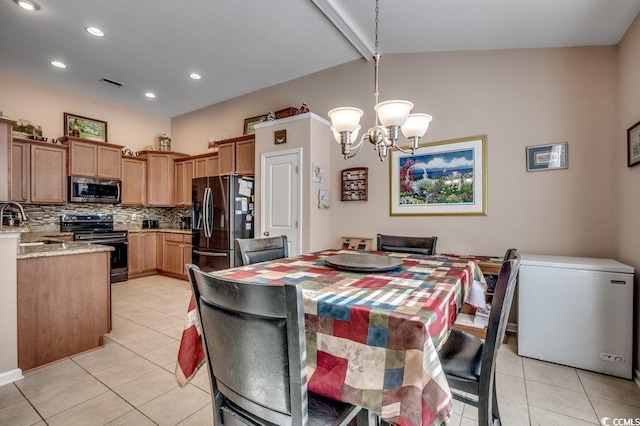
[
  {"x": 254, "y": 341},
  {"x": 415, "y": 245},
  {"x": 470, "y": 363},
  {"x": 255, "y": 250}
]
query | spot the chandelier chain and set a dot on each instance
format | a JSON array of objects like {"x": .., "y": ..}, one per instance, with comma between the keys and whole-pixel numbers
[{"x": 377, "y": 25}]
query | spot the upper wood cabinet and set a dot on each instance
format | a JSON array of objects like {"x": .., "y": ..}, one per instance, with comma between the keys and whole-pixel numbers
[
  {"x": 160, "y": 177},
  {"x": 184, "y": 173},
  {"x": 6, "y": 130},
  {"x": 93, "y": 159},
  {"x": 237, "y": 155},
  {"x": 134, "y": 181},
  {"x": 21, "y": 172},
  {"x": 48, "y": 173},
  {"x": 206, "y": 165},
  {"x": 38, "y": 172}
]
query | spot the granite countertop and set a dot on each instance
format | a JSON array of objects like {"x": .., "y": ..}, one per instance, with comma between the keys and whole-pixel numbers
[
  {"x": 59, "y": 249},
  {"x": 13, "y": 230},
  {"x": 30, "y": 237}
]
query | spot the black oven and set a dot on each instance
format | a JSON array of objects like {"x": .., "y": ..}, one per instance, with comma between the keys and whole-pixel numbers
[
  {"x": 98, "y": 229},
  {"x": 115, "y": 239}
]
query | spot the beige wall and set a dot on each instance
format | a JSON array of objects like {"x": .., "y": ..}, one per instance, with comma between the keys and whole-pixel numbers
[
  {"x": 44, "y": 104},
  {"x": 627, "y": 179},
  {"x": 517, "y": 97},
  {"x": 311, "y": 134}
]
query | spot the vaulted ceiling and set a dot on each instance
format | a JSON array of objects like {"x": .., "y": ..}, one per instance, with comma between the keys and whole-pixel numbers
[{"x": 242, "y": 46}]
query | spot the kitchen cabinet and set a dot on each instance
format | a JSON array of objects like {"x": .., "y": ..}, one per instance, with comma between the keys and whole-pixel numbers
[
  {"x": 20, "y": 172},
  {"x": 206, "y": 165},
  {"x": 184, "y": 173},
  {"x": 134, "y": 181},
  {"x": 142, "y": 254},
  {"x": 237, "y": 155},
  {"x": 175, "y": 251},
  {"x": 38, "y": 172},
  {"x": 61, "y": 312},
  {"x": 93, "y": 159},
  {"x": 48, "y": 173},
  {"x": 160, "y": 177},
  {"x": 6, "y": 130}
]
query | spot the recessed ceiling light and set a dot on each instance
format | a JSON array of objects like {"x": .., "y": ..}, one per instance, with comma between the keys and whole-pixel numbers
[
  {"x": 27, "y": 4},
  {"x": 95, "y": 31},
  {"x": 195, "y": 76},
  {"x": 150, "y": 95},
  {"x": 58, "y": 64}
]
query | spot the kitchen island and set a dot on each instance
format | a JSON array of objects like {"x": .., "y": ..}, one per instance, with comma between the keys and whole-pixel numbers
[{"x": 63, "y": 300}]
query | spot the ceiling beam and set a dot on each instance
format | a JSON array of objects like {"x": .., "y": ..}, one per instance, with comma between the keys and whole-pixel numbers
[{"x": 343, "y": 22}]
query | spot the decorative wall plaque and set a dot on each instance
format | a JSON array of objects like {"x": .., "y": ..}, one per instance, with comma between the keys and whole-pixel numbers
[{"x": 280, "y": 136}]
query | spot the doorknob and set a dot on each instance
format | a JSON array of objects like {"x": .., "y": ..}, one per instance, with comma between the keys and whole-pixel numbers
[{"x": 265, "y": 233}]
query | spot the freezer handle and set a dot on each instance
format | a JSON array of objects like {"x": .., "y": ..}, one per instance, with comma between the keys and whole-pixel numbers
[{"x": 204, "y": 253}]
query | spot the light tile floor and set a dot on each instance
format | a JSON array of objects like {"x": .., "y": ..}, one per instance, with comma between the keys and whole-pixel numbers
[{"x": 130, "y": 380}]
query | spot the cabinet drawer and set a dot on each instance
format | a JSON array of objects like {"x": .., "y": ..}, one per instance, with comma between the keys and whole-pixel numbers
[{"x": 177, "y": 238}]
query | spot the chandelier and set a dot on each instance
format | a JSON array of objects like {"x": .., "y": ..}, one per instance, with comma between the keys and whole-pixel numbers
[{"x": 391, "y": 118}]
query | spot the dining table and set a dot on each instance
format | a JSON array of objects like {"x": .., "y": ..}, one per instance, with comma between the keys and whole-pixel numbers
[{"x": 372, "y": 336}]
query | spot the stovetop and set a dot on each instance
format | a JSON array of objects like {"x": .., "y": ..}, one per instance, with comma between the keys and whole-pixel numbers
[{"x": 97, "y": 223}]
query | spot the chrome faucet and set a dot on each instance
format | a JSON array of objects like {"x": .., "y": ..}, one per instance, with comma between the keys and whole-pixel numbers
[{"x": 5, "y": 205}]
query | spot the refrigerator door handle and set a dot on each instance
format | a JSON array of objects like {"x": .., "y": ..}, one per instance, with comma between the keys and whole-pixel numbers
[
  {"x": 202, "y": 253},
  {"x": 206, "y": 212}
]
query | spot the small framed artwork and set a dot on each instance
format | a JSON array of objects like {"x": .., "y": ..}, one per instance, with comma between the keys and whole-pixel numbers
[
  {"x": 84, "y": 127},
  {"x": 280, "y": 136},
  {"x": 250, "y": 122},
  {"x": 633, "y": 145},
  {"x": 442, "y": 178},
  {"x": 323, "y": 199},
  {"x": 547, "y": 157}
]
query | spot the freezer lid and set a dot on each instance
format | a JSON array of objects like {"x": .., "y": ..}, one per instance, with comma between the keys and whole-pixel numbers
[{"x": 582, "y": 263}]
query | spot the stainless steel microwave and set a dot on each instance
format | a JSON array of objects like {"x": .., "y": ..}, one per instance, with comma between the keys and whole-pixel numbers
[{"x": 94, "y": 190}]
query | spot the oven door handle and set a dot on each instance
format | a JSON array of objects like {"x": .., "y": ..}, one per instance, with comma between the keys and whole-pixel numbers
[
  {"x": 106, "y": 241},
  {"x": 210, "y": 254}
]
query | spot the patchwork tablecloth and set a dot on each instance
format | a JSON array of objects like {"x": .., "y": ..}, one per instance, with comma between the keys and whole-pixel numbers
[{"x": 372, "y": 338}]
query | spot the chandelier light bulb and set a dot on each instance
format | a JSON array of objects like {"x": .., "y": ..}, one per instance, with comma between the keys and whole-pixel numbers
[
  {"x": 345, "y": 119},
  {"x": 416, "y": 125}
]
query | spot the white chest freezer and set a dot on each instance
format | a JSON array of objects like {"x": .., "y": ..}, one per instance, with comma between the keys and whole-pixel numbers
[{"x": 576, "y": 311}]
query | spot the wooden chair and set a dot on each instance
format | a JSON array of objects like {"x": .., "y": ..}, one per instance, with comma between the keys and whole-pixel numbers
[
  {"x": 254, "y": 340},
  {"x": 468, "y": 362},
  {"x": 355, "y": 243},
  {"x": 415, "y": 245},
  {"x": 250, "y": 250}
]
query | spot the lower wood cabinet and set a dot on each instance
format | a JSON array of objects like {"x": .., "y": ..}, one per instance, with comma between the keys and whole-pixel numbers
[
  {"x": 142, "y": 254},
  {"x": 175, "y": 251}
]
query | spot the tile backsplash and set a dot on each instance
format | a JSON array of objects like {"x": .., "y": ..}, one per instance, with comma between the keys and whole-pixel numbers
[{"x": 46, "y": 217}]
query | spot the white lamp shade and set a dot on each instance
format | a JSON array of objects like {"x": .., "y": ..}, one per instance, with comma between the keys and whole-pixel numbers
[
  {"x": 345, "y": 119},
  {"x": 352, "y": 138},
  {"x": 393, "y": 113},
  {"x": 416, "y": 125}
]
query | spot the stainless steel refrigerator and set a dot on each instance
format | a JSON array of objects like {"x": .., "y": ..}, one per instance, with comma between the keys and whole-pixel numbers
[{"x": 223, "y": 209}]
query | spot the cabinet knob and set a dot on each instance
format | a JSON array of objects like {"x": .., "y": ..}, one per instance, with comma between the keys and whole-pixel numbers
[{"x": 265, "y": 233}]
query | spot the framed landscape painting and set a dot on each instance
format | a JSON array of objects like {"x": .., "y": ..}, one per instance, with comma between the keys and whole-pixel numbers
[
  {"x": 442, "y": 178},
  {"x": 84, "y": 127}
]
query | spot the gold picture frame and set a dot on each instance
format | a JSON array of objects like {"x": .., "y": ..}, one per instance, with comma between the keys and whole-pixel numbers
[
  {"x": 85, "y": 128},
  {"x": 442, "y": 178}
]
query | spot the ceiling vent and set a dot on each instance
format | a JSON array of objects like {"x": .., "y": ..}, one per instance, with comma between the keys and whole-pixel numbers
[{"x": 111, "y": 82}]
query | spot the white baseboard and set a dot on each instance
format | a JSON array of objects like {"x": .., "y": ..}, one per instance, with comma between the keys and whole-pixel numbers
[
  {"x": 10, "y": 376},
  {"x": 636, "y": 377}
]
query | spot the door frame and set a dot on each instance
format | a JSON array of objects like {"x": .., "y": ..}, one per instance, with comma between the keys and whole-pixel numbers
[{"x": 263, "y": 159}]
